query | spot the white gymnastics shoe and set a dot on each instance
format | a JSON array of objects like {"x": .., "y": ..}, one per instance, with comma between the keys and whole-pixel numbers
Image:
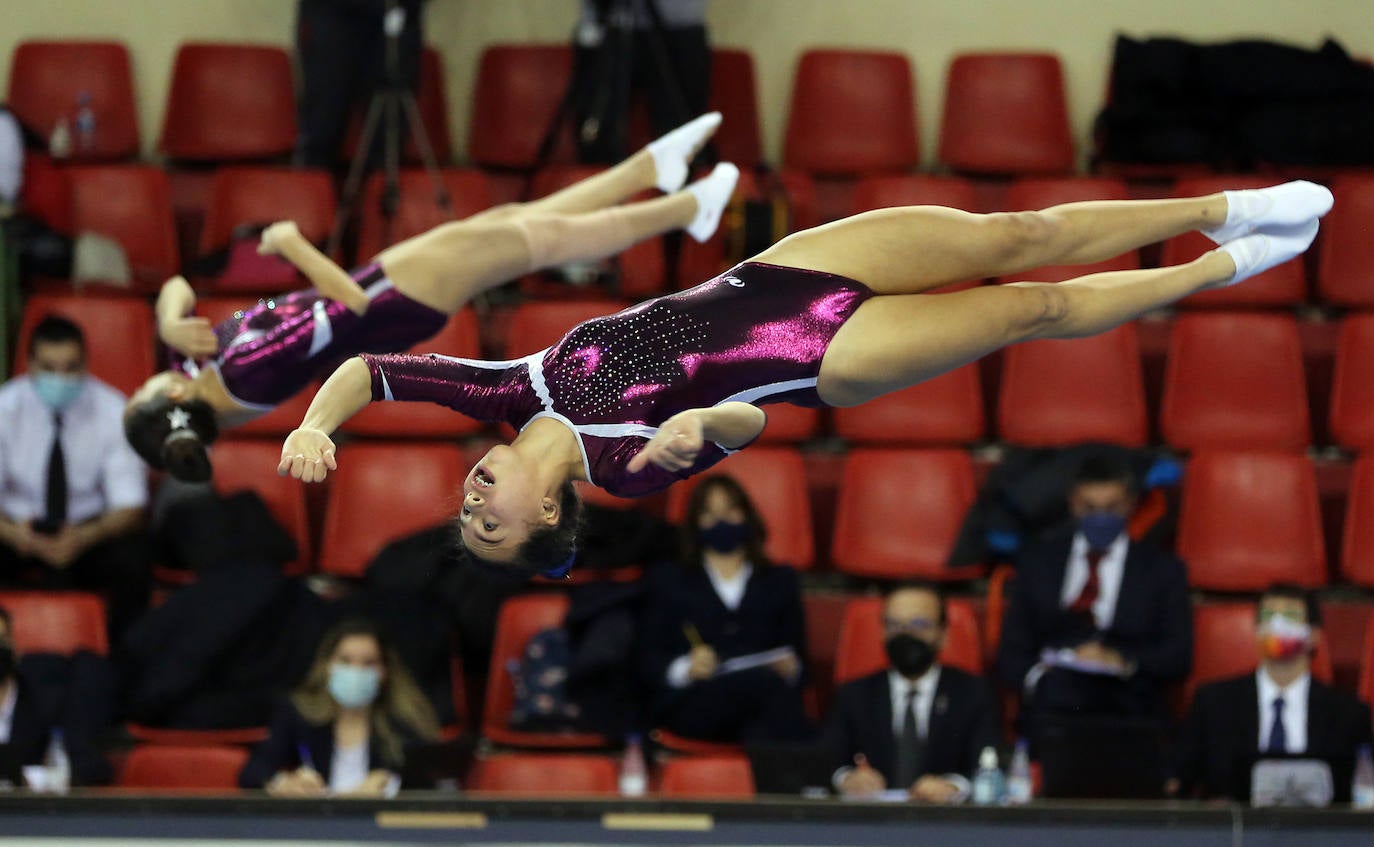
[
  {"x": 1286, "y": 205},
  {"x": 713, "y": 193},
  {"x": 1259, "y": 251},
  {"x": 675, "y": 150}
]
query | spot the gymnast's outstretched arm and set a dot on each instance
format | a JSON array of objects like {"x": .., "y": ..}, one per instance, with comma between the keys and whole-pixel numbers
[
  {"x": 284, "y": 239},
  {"x": 176, "y": 327},
  {"x": 308, "y": 453}
]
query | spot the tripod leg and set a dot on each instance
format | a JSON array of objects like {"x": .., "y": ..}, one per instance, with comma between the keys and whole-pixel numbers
[
  {"x": 348, "y": 204},
  {"x": 417, "y": 132}
]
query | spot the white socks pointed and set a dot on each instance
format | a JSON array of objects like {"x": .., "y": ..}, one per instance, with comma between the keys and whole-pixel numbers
[
  {"x": 1286, "y": 205},
  {"x": 1259, "y": 251},
  {"x": 675, "y": 150},
  {"x": 712, "y": 193}
]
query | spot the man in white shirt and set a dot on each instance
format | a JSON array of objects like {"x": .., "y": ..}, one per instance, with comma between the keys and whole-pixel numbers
[
  {"x": 918, "y": 726},
  {"x": 72, "y": 491},
  {"x": 1278, "y": 709}
]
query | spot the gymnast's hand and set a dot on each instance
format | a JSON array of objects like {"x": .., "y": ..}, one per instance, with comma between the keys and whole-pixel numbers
[
  {"x": 307, "y": 455},
  {"x": 189, "y": 336},
  {"x": 675, "y": 446},
  {"x": 270, "y": 242}
]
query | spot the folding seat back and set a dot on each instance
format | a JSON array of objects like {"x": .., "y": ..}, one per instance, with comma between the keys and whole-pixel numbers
[
  {"x": 518, "y": 90},
  {"x": 946, "y": 410},
  {"x": 418, "y": 209},
  {"x": 133, "y": 205},
  {"x": 1352, "y": 389},
  {"x": 168, "y": 768},
  {"x": 119, "y": 335},
  {"x": 708, "y": 776},
  {"x": 250, "y": 465},
  {"x": 1345, "y": 275},
  {"x": 1006, "y": 113},
  {"x": 852, "y": 112},
  {"x": 882, "y": 191},
  {"x": 229, "y": 102},
  {"x": 56, "y": 622},
  {"x": 536, "y": 325},
  {"x": 861, "y": 651},
  {"x": 535, "y": 775},
  {"x": 49, "y": 79},
  {"x": 1357, "y": 547},
  {"x": 259, "y": 195},
  {"x": 1224, "y": 646},
  {"x": 735, "y": 94}
]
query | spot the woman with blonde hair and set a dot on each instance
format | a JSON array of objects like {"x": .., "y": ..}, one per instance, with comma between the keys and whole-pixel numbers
[{"x": 345, "y": 728}]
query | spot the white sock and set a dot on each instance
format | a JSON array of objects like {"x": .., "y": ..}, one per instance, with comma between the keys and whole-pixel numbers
[
  {"x": 1289, "y": 204},
  {"x": 673, "y": 151},
  {"x": 1259, "y": 251},
  {"x": 712, "y": 193}
]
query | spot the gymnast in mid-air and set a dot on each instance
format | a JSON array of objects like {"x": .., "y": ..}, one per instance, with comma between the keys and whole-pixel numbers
[
  {"x": 258, "y": 358},
  {"x": 830, "y": 316}
]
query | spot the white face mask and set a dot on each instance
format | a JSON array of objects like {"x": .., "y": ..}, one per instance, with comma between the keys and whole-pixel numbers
[
  {"x": 57, "y": 390},
  {"x": 353, "y": 687}
]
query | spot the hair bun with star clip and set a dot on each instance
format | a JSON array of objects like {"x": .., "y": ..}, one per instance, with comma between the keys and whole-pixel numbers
[{"x": 184, "y": 452}]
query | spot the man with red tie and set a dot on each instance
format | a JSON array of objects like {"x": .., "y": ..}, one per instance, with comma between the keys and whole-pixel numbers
[{"x": 1097, "y": 623}]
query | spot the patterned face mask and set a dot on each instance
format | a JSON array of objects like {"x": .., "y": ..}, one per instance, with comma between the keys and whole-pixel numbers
[{"x": 1283, "y": 637}]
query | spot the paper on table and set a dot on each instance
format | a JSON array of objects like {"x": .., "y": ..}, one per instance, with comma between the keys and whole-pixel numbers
[
  {"x": 1066, "y": 658},
  {"x": 754, "y": 660}
]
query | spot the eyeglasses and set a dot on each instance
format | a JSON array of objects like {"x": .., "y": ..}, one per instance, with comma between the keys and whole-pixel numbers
[{"x": 915, "y": 625}]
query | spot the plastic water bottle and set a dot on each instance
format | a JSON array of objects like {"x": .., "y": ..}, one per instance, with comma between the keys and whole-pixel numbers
[
  {"x": 634, "y": 777},
  {"x": 59, "y": 767},
  {"x": 85, "y": 123},
  {"x": 1362, "y": 787},
  {"x": 987, "y": 781},
  {"x": 60, "y": 140},
  {"x": 1019, "y": 776}
]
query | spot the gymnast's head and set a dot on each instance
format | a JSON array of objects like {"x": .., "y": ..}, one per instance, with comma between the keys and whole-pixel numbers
[
  {"x": 170, "y": 428},
  {"x": 514, "y": 519}
]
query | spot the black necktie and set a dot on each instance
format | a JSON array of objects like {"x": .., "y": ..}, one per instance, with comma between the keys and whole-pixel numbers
[
  {"x": 1278, "y": 736},
  {"x": 57, "y": 477},
  {"x": 908, "y": 745}
]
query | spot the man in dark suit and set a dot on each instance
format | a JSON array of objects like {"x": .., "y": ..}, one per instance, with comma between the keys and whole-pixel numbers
[
  {"x": 46, "y": 692},
  {"x": 917, "y": 726},
  {"x": 1279, "y": 709},
  {"x": 1097, "y": 623}
]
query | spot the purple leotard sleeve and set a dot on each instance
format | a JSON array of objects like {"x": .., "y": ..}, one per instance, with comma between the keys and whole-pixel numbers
[{"x": 484, "y": 391}]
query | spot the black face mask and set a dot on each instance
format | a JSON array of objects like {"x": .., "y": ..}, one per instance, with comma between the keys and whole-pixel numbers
[
  {"x": 911, "y": 656},
  {"x": 723, "y": 536},
  {"x": 6, "y": 661}
]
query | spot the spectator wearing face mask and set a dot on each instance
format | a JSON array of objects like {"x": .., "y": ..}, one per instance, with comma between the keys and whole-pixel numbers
[
  {"x": 1097, "y": 623},
  {"x": 918, "y": 726},
  {"x": 722, "y": 601},
  {"x": 72, "y": 491},
  {"x": 345, "y": 729},
  {"x": 1279, "y": 709}
]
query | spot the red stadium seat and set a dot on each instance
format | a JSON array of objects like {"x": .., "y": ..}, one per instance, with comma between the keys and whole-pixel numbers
[
  {"x": 432, "y": 102},
  {"x": 1006, "y": 113},
  {"x": 56, "y": 622},
  {"x": 47, "y": 79},
  {"x": 861, "y": 653},
  {"x": 945, "y": 410},
  {"x": 693, "y": 746},
  {"x": 852, "y": 112},
  {"x": 789, "y": 424},
  {"x": 196, "y": 737},
  {"x": 119, "y": 335},
  {"x": 1249, "y": 520},
  {"x": 229, "y": 102},
  {"x": 1345, "y": 275},
  {"x": 166, "y": 768},
  {"x": 1352, "y": 390},
  {"x": 133, "y": 205},
  {"x": 882, "y": 191},
  {"x": 535, "y": 325},
  {"x": 417, "y": 209},
  {"x": 261, "y": 195},
  {"x": 1058, "y": 393},
  {"x": 1284, "y": 285},
  {"x": 425, "y": 420},
  {"x": 1043, "y": 192},
  {"x": 702, "y": 777},
  {"x": 899, "y": 512},
  {"x": 251, "y": 466},
  {"x": 519, "y": 87},
  {"x": 520, "y": 619},
  {"x": 382, "y": 492},
  {"x": 1235, "y": 381},
  {"x": 1366, "y": 690},
  {"x": 1224, "y": 646},
  {"x": 735, "y": 94},
  {"x": 533, "y": 775},
  {"x": 1357, "y": 548},
  {"x": 775, "y": 479}
]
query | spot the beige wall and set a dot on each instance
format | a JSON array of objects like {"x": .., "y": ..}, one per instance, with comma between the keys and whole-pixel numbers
[{"x": 775, "y": 31}]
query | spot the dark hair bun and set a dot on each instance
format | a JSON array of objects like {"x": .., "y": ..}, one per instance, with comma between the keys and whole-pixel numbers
[{"x": 185, "y": 457}]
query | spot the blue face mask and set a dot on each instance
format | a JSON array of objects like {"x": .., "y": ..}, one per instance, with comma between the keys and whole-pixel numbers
[
  {"x": 723, "y": 536},
  {"x": 1101, "y": 528},
  {"x": 353, "y": 687},
  {"x": 57, "y": 390}
]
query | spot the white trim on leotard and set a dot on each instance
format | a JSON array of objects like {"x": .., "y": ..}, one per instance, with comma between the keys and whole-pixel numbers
[{"x": 753, "y": 395}]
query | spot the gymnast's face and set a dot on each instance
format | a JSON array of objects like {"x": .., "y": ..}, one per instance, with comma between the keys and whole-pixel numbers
[{"x": 502, "y": 502}]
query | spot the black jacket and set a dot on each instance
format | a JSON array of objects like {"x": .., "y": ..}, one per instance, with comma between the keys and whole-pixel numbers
[
  {"x": 290, "y": 733},
  {"x": 75, "y": 694}
]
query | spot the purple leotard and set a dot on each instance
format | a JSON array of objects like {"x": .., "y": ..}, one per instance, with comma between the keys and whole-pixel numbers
[
  {"x": 755, "y": 334},
  {"x": 273, "y": 350}
]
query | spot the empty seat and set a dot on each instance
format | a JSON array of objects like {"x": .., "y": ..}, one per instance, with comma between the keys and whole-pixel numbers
[
  {"x": 1352, "y": 389},
  {"x": 245, "y": 196},
  {"x": 520, "y": 619},
  {"x": 899, "y": 512},
  {"x": 1041, "y": 193},
  {"x": 1345, "y": 267},
  {"x": 882, "y": 191},
  {"x": 417, "y": 208},
  {"x": 1235, "y": 381},
  {"x": 861, "y": 653},
  {"x": 1224, "y": 646},
  {"x": 1283, "y": 285},
  {"x": 432, "y": 102},
  {"x": 229, "y": 102},
  {"x": 945, "y": 410},
  {"x": 48, "y": 80},
  {"x": 775, "y": 479},
  {"x": 169, "y": 768},
  {"x": 242, "y": 465},
  {"x": 425, "y": 420},
  {"x": 1357, "y": 548},
  {"x": 533, "y": 775},
  {"x": 119, "y": 335},
  {"x": 56, "y": 622},
  {"x": 133, "y": 205},
  {"x": 852, "y": 112},
  {"x": 418, "y": 484},
  {"x": 517, "y": 93},
  {"x": 1249, "y": 520},
  {"x": 707, "y": 776},
  {"x": 735, "y": 94},
  {"x": 1006, "y": 113},
  {"x": 1057, "y": 393},
  {"x": 535, "y": 325}
]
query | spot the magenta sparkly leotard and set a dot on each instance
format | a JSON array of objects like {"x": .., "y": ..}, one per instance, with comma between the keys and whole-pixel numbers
[
  {"x": 273, "y": 350},
  {"x": 755, "y": 334}
]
